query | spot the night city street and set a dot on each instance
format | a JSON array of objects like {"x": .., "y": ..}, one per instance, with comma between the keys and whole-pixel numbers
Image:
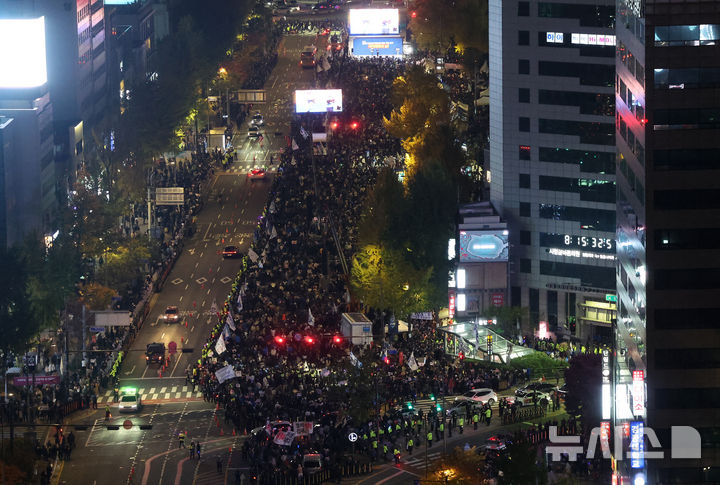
[{"x": 370, "y": 242}]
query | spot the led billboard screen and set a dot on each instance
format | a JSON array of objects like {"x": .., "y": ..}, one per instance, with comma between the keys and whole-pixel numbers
[
  {"x": 483, "y": 246},
  {"x": 376, "y": 46},
  {"x": 318, "y": 101},
  {"x": 374, "y": 21},
  {"x": 22, "y": 53}
]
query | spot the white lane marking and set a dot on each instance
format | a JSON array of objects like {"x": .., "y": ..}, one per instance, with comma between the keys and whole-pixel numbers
[
  {"x": 208, "y": 291},
  {"x": 207, "y": 231},
  {"x": 181, "y": 297},
  {"x": 91, "y": 432},
  {"x": 196, "y": 264},
  {"x": 177, "y": 361},
  {"x": 203, "y": 303},
  {"x": 151, "y": 391},
  {"x": 174, "y": 389},
  {"x": 187, "y": 286},
  {"x": 193, "y": 328},
  {"x": 162, "y": 389},
  {"x": 162, "y": 336}
]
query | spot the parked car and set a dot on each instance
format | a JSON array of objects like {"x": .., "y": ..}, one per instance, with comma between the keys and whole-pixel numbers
[
  {"x": 312, "y": 463},
  {"x": 482, "y": 395},
  {"x": 544, "y": 387},
  {"x": 253, "y": 132},
  {"x": 532, "y": 397}
]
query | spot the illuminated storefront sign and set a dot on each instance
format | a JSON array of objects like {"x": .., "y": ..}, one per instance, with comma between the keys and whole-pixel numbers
[
  {"x": 606, "y": 398},
  {"x": 580, "y": 39},
  {"x": 575, "y": 253},
  {"x": 451, "y": 306},
  {"x": 637, "y": 445},
  {"x": 638, "y": 392}
]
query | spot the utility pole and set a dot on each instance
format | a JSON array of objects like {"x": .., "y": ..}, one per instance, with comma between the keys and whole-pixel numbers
[
  {"x": 149, "y": 206},
  {"x": 84, "y": 330}
]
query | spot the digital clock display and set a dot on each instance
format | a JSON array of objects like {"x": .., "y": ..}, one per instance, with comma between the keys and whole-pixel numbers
[{"x": 573, "y": 241}]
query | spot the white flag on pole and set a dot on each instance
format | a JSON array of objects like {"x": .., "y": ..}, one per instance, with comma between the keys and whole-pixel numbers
[
  {"x": 304, "y": 133},
  {"x": 311, "y": 319},
  {"x": 294, "y": 145},
  {"x": 412, "y": 363},
  {"x": 226, "y": 331},
  {"x": 273, "y": 233},
  {"x": 252, "y": 255},
  {"x": 354, "y": 360},
  {"x": 230, "y": 321},
  {"x": 220, "y": 345}
]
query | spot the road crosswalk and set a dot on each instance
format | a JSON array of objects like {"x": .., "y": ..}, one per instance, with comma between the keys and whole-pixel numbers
[{"x": 156, "y": 393}]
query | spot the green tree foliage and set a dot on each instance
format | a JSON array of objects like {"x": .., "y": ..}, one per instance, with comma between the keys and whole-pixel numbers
[
  {"x": 51, "y": 276},
  {"x": 382, "y": 278},
  {"x": 519, "y": 465},
  {"x": 428, "y": 224},
  {"x": 17, "y": 325},
  {"x": 92, "y": 219},
  {"x": 383, "y": 210},
  {"x": 200, "y": 35},
  {"x": 123, "y": 263},
  {"x": 459, "y": 467},
  {"x": 96, "y": 296},
  {"x": 440, "y": 23},
  {"x": 507, "y": 317},
  {"x": 584, "y": 381},
  {"x": 540, "y": 363}
]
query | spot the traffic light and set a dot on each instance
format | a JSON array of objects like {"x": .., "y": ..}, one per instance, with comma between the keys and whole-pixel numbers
[
  {"x": 432, "y": 397},
  {"x": 337, "y": 339},
  {"x": 354, "y": 125},
  {"x": 409, "y": 405},
  {"x": 279, "y": 339},
  {"x": 461, "y": 355},
  {"x": 438, "y": 407},
  {"x": 309, "y": 340},
  {"x": 413, "y": 14},
  {"x": 334, "y": 125}
]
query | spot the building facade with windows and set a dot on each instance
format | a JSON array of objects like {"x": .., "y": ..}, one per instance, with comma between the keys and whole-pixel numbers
[
  {"x": 668, "y": 218},
  {"x": 552, "y": 158}
]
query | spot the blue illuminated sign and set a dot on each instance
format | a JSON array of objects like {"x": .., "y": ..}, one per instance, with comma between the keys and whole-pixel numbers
[
  {"x": 377, "y": 46},
  {"x": 637, "y": 445}
]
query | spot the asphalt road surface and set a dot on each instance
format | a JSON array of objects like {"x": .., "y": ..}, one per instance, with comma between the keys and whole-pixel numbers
[{"x": 200, "y": 279}]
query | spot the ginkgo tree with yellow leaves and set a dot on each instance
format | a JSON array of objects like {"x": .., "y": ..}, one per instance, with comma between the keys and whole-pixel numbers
[{"x": 382, "y": 278}]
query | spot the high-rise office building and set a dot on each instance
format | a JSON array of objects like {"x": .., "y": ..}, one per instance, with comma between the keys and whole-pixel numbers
[
  {"x": 552, "y": 158},
  {"x": 77, "y": 74},
  {"x": 668, "y": 277},
  {"x": 27, "y": 171}
]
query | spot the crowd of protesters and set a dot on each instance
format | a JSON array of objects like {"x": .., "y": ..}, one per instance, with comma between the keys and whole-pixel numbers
[{"x": 285, "y": 311}]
